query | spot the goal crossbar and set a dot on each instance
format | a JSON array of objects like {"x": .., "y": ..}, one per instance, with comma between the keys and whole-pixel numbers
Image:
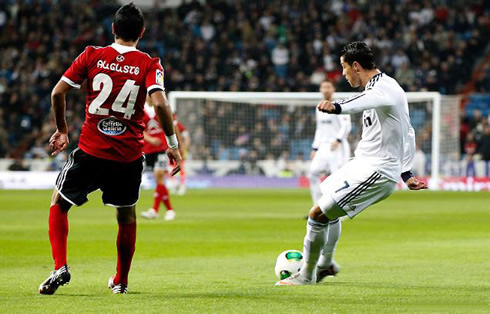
[{"x": 312, "y": 98}]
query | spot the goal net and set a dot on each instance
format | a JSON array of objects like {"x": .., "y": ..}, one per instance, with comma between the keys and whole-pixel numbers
[{"x": 244, "y": 139}]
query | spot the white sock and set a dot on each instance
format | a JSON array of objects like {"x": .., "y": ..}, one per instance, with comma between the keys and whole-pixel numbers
[
  {"x": 332, "y": 235},
  {"x": 313, "y": 243},
  {"x": 315, "y": 190}
]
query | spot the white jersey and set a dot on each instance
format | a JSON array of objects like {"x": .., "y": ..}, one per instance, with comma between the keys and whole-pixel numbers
[
  {"x": 388, "y": 139},
  {"x": 330, "y": 128}
]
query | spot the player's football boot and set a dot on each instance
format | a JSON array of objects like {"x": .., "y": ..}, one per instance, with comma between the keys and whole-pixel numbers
[
  {"x": 331, "y": 270},
  {"x": 170, "y": 215},
  {"x": 57, "y": 278},
  {"x": 150, "y": 214},
  {"x": 296, "y": 280},
  {"x": 117, "y": 289}
]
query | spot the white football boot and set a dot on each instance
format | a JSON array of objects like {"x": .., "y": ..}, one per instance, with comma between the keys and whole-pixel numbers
[
  {"x": 170, "y": 215},
  {"x": 117, "y": 289},
  {"x": 296, "y": 280},
  {"x": 150, "y": 214}
]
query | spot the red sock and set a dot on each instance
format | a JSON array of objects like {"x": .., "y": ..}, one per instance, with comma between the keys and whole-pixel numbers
[
  {"x": 58, "y": 233},
  {"x": 161, "y": 194},
  {"x": 182, "y": 176},
  {"x": 126, "y": 241}
]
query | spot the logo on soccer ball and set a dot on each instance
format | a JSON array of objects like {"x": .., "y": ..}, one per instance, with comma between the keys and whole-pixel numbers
[
  {"x": 160, "y": 77},
  {"x": 111, "y": 126},
  {"x": 120, "y": 58}
]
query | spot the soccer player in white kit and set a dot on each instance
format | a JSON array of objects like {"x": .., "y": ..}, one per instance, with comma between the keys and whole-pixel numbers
[
  {"x": 385, "y": 153},
  {"x": 330, "y": 148}
]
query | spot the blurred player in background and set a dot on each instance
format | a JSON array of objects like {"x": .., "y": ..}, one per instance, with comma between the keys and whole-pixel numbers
[
  {"x": 184, "y": 142},
  {"x": 385, "y": 152},
  {"x": 109, "y": 155},
  {"x": 156, "y": 161},
  {"x": 330, "y": 148}
]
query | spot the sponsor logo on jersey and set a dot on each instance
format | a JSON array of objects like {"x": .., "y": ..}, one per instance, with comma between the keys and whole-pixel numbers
[
  {"x": 120, "y": 58},
  {"x": 111, "y": 126},
  {"x": 118, "y": 68},
  {"x": 159, "y": 77}
]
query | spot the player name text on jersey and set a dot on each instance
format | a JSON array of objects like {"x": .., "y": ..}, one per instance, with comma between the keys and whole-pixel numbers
[{"x": 118, "y": 68}]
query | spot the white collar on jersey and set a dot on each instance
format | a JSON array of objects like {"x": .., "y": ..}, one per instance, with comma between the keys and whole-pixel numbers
[{"x": 123, "y": 49}]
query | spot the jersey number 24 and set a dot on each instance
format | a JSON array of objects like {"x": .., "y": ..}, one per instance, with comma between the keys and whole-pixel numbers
[{"x": 103, "y": 83}]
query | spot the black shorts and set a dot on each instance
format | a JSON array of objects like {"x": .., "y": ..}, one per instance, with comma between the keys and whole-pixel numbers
[
  {"x": 83, "y": 173},
  {"x": 157, "y": 161}
]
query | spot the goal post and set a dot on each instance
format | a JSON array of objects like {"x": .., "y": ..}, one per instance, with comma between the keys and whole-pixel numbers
[{"x": 234, "y": 125}]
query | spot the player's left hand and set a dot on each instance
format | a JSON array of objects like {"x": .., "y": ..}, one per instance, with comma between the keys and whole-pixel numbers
[
  {"x": 175, "y": 159},
  {"x": 334, "y": 145},
  {"x": 414, "y": 184},
  {"x": 58, "y": 142},
  {"x": 326, "y": 106}
]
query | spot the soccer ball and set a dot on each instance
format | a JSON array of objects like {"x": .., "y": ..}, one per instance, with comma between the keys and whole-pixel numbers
[{"x": 288, "y": 263}]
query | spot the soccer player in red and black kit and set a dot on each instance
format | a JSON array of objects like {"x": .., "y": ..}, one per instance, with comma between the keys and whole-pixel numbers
[
  {"x": 109, "y": 155},
  {"x": 156, "y": 160}
]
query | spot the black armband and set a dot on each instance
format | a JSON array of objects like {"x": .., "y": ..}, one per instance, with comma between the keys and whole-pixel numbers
[
  {"x": 406, "y": 175},
  {"x": 338, "y": 109},
  {"x": 339, "y": 140},
  {"x": 314, "y": 149}
]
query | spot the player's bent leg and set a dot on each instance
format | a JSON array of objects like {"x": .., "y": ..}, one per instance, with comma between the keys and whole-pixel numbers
[
  {"x": 58, "y": 234},
  {"x": 328, "y": 207},
  {"x": 326, "y": 264},
  {"x": 313, "y": 244},
  {"x": 126, "y": 240},
  {"x": 58, "y": 228}
]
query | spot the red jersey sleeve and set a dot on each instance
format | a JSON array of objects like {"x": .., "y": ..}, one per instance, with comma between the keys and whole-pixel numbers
[
  {"x": 181, "y": 127},
  {"x": 154, "y": 77},
  {"x": 77, "y": 72}
]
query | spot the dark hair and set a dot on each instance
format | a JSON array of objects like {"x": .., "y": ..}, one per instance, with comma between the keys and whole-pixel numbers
[
  {"x": 128, "y": 22},
  {"x": 360, "y": 52}
]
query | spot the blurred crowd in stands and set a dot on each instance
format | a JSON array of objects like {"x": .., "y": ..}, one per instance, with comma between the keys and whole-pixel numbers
[{"x": 240, "y": 46}]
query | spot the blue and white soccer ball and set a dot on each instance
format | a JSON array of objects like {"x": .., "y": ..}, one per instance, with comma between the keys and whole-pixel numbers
[{"x": 288, "y": 263}]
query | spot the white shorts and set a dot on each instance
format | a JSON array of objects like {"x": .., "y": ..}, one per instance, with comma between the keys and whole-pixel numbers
[
  {"x": 355, "y": 186},
  {"x": 328, "y": 161}
]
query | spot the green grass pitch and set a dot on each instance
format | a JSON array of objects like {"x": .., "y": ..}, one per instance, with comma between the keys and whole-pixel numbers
[{"x": 415, "y": 252}]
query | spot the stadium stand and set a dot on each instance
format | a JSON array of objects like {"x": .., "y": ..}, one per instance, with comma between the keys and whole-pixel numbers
[{"x": 244, "y": 46}]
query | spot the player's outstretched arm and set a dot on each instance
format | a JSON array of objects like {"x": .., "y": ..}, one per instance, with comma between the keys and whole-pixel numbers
[
  {"x": 366, "y": 100},
  {"x": 164, "y": 113},
  {"x": 59, "y": 140}
]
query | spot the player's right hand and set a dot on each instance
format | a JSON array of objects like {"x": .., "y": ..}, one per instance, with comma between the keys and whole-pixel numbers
[
  {"x": 175, "y": 159},
  {"x": 58, "y": 142},
  {"x": 326, "y": 106}
]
